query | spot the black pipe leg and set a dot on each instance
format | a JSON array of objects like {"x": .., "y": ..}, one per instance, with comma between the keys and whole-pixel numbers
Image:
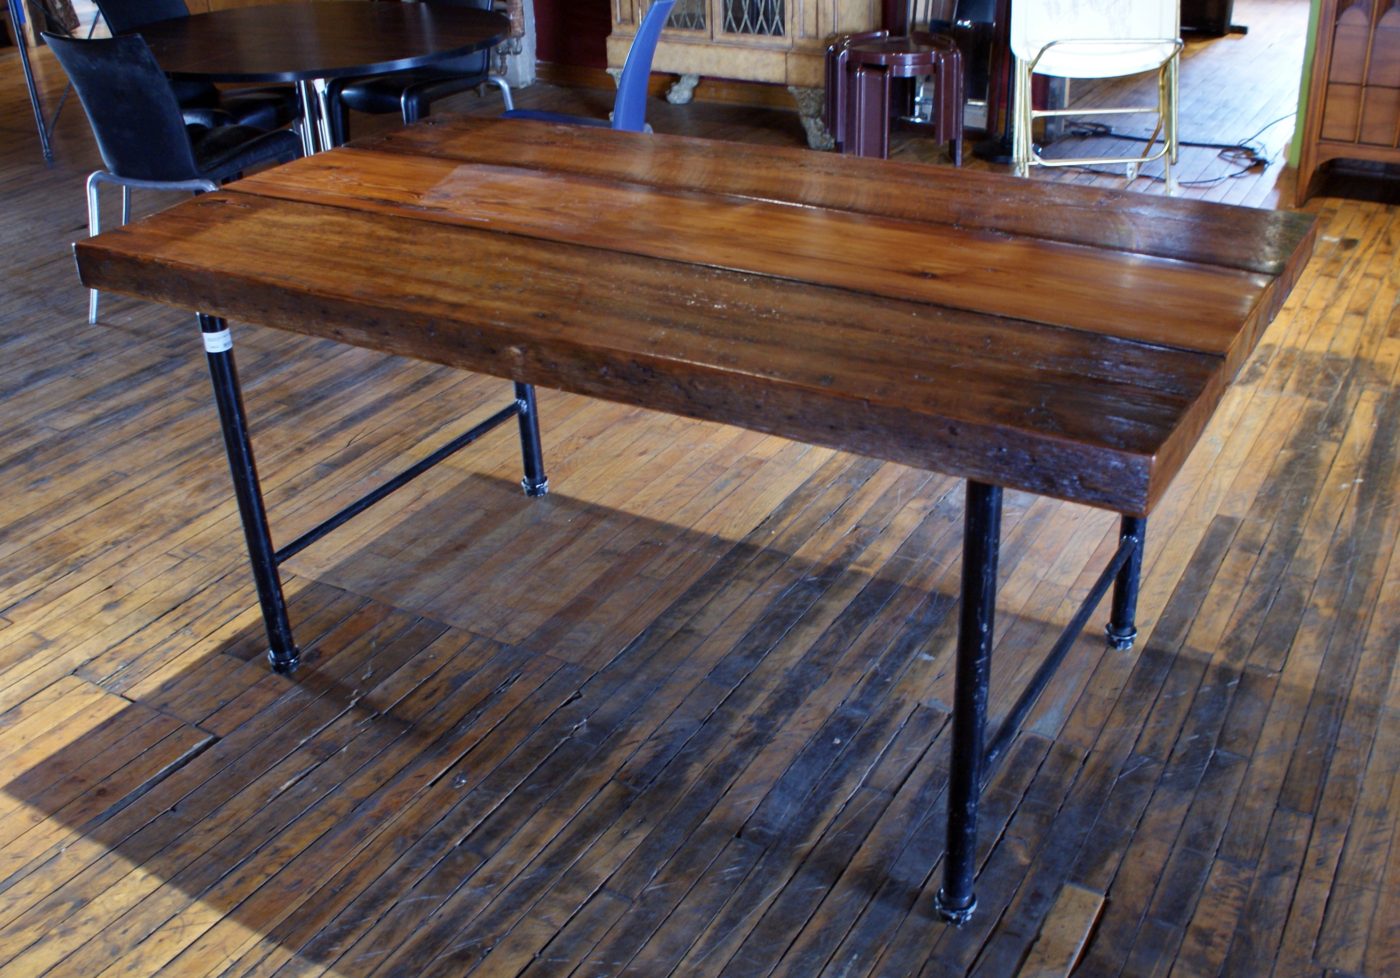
[
  {"x": 1122, "y": 622},
  {"x": 535, "y": 483},
  {"x": 955, "y": 901},
  {"x": 282, "y": 649}
]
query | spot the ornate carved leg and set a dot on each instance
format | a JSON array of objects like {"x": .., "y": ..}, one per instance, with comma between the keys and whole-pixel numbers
[
  {"x": 810, "y": 104},
  {"x": 683, "y": 91}
]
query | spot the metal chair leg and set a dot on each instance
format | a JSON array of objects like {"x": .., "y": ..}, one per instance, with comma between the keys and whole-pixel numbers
[
  {"x": 94, "y": 228},
  {"x": 1169, "y": 84},
  {"x": 1021, "y": 127},
  {"x": 504, "y": 86}
]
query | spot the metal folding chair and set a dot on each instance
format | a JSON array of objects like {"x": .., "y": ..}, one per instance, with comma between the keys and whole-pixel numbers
[{"x": 1096, "y": 39}]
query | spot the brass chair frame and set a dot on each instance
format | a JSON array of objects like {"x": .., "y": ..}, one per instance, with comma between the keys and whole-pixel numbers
[{"x": 1025, "y": 154}]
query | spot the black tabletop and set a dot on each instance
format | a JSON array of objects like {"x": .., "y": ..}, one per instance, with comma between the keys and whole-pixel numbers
[{"x": 289, "y": 42}]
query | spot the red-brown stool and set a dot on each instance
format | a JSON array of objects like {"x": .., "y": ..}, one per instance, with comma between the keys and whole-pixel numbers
[{"x": 859, "y": 68}]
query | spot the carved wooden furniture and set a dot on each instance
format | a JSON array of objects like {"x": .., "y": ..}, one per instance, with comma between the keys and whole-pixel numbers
[
  {"x": 779, "y": 41},
  {"x": 861, "y": 72},
  {"x": 1353, "y": 109},
  {"x": 310, "y": 42},
  {"x": 1057, "y": 339}
]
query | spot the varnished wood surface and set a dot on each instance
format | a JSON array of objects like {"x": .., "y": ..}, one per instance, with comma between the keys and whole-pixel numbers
[
  {"x": 298, "y": 41},
  {"x": 1065, "y": 367},
  {"x": 455, "y": 784},
  {"x": 1100, "y": 217}
]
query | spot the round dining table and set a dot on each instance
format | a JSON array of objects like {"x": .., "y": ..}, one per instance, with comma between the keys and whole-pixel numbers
[{"x": 310, "y": 42}]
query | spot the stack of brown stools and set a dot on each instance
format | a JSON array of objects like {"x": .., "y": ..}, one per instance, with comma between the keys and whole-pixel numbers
[{"x": 859, "y": 70}]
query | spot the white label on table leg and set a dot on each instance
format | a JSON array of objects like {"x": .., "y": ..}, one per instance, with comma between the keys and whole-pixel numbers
[{"x": 220, "y": 342}]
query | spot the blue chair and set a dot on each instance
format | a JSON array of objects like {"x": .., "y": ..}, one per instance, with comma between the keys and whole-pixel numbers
[{"x": 630, "y": 107}]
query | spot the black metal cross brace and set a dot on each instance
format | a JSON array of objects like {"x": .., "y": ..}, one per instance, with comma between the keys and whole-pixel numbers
[
  {"x": 282, "y": 650},
  {"x": 974, "y": 760}
]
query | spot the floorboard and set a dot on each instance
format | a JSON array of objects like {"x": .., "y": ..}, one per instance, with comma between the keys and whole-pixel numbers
[{"x": 688, "y": 714}]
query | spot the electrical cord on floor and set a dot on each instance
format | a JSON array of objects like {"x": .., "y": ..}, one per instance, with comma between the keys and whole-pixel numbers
[{"x": 1248, "y": 154}]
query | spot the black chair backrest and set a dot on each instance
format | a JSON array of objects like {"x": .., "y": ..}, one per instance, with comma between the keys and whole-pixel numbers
[
  {"x": 125, "y": 16},
  {"x": 130, "y": 106},
  {"x": 476, "y": 63}
]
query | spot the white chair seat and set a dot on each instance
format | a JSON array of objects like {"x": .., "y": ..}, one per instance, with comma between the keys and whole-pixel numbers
[{"x": 1105, "y": 59}]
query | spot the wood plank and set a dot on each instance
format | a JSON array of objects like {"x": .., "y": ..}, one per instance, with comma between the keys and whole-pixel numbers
[
  {"x": 1196, "y": 306},
  {"x": 665, "y": 338},
  {"x": 965, "y": 197},
  {"x": 1056, "y": 951}
]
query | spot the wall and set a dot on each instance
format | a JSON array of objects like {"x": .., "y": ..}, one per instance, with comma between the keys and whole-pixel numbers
[
  {"x": 1295, "y": 148},
  {"x": 573, "y": 32}
]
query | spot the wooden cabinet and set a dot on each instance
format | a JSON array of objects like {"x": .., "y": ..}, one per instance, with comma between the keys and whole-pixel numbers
[
  {"x": 1353, "y": 109},
  {"x": 779, "y": 41}
]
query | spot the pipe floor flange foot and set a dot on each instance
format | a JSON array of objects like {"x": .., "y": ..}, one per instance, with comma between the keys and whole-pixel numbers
[
  {"x": 957, "y": 916},
  {"x": 1121, "y": 639},
  {"x": 284, "y": 665}
]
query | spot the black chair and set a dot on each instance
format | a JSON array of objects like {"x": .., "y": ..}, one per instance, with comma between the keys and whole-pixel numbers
[
  {"x": 203, "y": 103},
  {"x": 142, "y": 134},
  {"x": 411, "y": 93}
]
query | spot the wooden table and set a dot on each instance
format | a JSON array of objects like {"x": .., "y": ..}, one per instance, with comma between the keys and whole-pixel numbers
[
  {"x": 1056, "y": 339},
  {"x": 311, "y": 42}
]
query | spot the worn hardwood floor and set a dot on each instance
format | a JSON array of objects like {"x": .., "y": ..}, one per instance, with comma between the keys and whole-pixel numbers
[{"x": 687, "y": 714}]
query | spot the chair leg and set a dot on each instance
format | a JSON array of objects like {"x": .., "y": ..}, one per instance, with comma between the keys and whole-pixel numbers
[
  {"x": 1173, "y": 90},
  {"x": 309, "y": 101},
  {"x": 94, "y": 228},
  {"x": 338, "y": 116},
  {"x": 1021, "y": 119},
  {"x": 325, "y": 131},
  {"x": 1169, "y": 93},
  {"x": 1167, "y": 174},
  {"x": 504, "y": 86},
  {"x": 868, "y": 122}
]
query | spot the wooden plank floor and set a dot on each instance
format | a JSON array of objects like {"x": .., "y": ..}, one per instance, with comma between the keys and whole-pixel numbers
[{"x": 688, "y": 713}]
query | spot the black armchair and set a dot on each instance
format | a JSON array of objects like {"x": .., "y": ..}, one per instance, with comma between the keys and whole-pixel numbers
[
  {"x": 141, "y": 133},
  {"x": 411, "y": 93},
  {"x": 267, "y": 108}
]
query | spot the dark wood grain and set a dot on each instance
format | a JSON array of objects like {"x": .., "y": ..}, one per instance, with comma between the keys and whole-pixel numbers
[
  {"x": 299, "y": 41},
  {"x": 1070, "y": 369}
]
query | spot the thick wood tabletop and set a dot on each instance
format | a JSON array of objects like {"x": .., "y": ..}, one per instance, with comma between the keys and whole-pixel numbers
[
  {"x": 287, "y": 42},
  {"x": 1063, "y": 340}
]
